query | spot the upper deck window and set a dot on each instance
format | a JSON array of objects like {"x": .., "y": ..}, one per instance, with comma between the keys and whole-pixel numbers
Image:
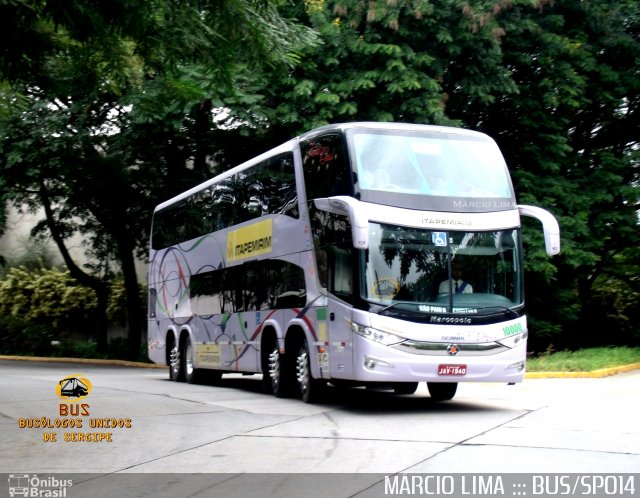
[
  {"x": 457, "y": 172},
  {"x": 268, "y": 187},
  {"x": 326, "y": 170}
]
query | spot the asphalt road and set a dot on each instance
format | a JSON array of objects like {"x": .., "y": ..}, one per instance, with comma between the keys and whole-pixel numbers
[{"x": 154, "y": 427}]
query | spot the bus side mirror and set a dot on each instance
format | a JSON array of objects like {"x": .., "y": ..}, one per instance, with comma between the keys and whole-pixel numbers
[
  {"x": 350, "y": 207},
  {"x": 549, "y": 226}
]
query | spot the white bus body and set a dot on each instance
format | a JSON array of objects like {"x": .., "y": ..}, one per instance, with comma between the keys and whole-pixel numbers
[{"x": 330, "y": 259}]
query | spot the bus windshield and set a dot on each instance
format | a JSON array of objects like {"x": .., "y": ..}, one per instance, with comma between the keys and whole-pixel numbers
[{"x": 421, "y": 270}]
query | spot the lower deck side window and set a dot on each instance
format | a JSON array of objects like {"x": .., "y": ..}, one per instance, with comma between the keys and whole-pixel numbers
[{"x": 254, "y": 286}]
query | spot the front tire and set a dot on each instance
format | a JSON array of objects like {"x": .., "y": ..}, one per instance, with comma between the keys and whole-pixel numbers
[
  {"x": 442, "y": 391},
  {"x": 405, "y": 387}
]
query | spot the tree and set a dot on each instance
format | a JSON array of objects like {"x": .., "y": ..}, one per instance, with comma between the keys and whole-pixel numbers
[
  {"x": 556, "y": 84},
  {"x": 569, "y": 137},
  {"x": 149, "y": 99},
  {"x": 109, "y": 107}
]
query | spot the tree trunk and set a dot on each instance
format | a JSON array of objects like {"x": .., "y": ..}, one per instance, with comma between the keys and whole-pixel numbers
[
  {"x": 135, "y": 318},
  {"x": 99, "y": 287}
]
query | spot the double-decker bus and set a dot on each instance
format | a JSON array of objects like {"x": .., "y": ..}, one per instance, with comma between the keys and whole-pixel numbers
[{"x": 367, "y": 254}]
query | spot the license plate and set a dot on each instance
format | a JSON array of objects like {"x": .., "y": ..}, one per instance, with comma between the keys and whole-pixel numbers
[{"x": 452, "y": 369}]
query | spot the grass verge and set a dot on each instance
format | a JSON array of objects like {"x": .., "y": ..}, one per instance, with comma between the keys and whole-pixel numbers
[{"x": 583, "y": 360}]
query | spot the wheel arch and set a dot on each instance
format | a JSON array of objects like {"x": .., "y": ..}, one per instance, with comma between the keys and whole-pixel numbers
[
  {"x": 296, "y": 333},
  {"x": 175, "y": 337},
  {"x": 269, "y": 334},
  {"x": 294, "y": 337},
  {"x": 184, "y": 334}
]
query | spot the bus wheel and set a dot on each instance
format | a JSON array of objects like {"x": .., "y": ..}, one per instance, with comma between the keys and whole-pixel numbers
[
  {"x": 442, "y": 391},
  {"x": 405, "y": 387},
  {"x": 174, "y": 364},
  {"x": 275, "y": 372},
  {"x": 267, "y": 383},
  {"x": 191, "y": 375},
  {"x": 310, "y": 389}
]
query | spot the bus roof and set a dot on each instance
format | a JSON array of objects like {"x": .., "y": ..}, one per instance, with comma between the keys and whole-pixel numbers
[
  {"x": 339, "y": 127},
  {"x": 375, "y": 125},
  {"x": 285, "y": 147}
]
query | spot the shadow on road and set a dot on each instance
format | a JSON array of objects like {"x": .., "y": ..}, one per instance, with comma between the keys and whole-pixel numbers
[{"x": 362, "y": 400}]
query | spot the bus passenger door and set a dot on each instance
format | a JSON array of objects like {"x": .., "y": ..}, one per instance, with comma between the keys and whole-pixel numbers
[
  {"x": 340, "y": 281},
  {"x": 340, "y": 339},
  {"x": 335, "y": 256}
]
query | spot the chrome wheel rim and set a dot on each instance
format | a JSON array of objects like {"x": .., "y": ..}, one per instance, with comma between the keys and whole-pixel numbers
[
  {"x": 188, "y": 362},
  {"x": 274, "y": 367},
  {"x": 302, "y": 370},
  {"x": 174, "y": 361}
]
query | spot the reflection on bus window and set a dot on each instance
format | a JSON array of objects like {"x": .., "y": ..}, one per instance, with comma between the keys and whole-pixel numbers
[
  {"x": 404, "y": 264},
  {"x": 255, "y": 286},
  {"x": 453, "y": 166}
]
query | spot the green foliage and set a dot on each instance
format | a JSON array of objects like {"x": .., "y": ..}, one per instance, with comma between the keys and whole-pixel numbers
[
  {"x": 51, "y": 298},
  {"x": 106, "y": 111},
  {"x": 69, "y": 348},
  {"x": 18, "y": 336},
  {"x": 118, "y": 349},
  {"x": 567, "y": 137},
  {"x": 616, "y": 302},
  {"x": 117, "y": 305},
  {"x": 583, "y": 360}
]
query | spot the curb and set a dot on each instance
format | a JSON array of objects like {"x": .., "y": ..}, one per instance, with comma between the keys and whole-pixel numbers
[
  {"x": 47, "y": 359},
  {"x": 594, "y": 374}
]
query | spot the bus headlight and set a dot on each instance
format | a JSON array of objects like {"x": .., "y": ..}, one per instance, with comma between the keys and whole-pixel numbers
[
  {"x": 514, "y": 340},
  {"x": 376, "y": 335}
]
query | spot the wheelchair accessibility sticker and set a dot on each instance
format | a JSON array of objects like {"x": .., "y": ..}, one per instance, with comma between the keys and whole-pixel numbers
[{"x": 439, "y": 239}]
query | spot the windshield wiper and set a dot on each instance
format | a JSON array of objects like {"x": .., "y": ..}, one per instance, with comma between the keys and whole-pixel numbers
[
  {"x": 500, "y": 308},
  {"x": 388, "y": 307},
  {"x": 414, "y": 312}
]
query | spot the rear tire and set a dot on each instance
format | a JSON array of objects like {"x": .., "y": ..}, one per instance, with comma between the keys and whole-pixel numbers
[
  {"x": 276, "y": 376},
  {"x": 267, "y": 383},
  {"x": 175, "y": 363},
  {"x": 191, "y": 374},
  {"x": 311, "y": 390},
  {"x": 442, "y": 391}
]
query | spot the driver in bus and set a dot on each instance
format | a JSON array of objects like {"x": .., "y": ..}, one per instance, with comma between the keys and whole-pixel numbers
[{"x": 459, "y": 284}]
